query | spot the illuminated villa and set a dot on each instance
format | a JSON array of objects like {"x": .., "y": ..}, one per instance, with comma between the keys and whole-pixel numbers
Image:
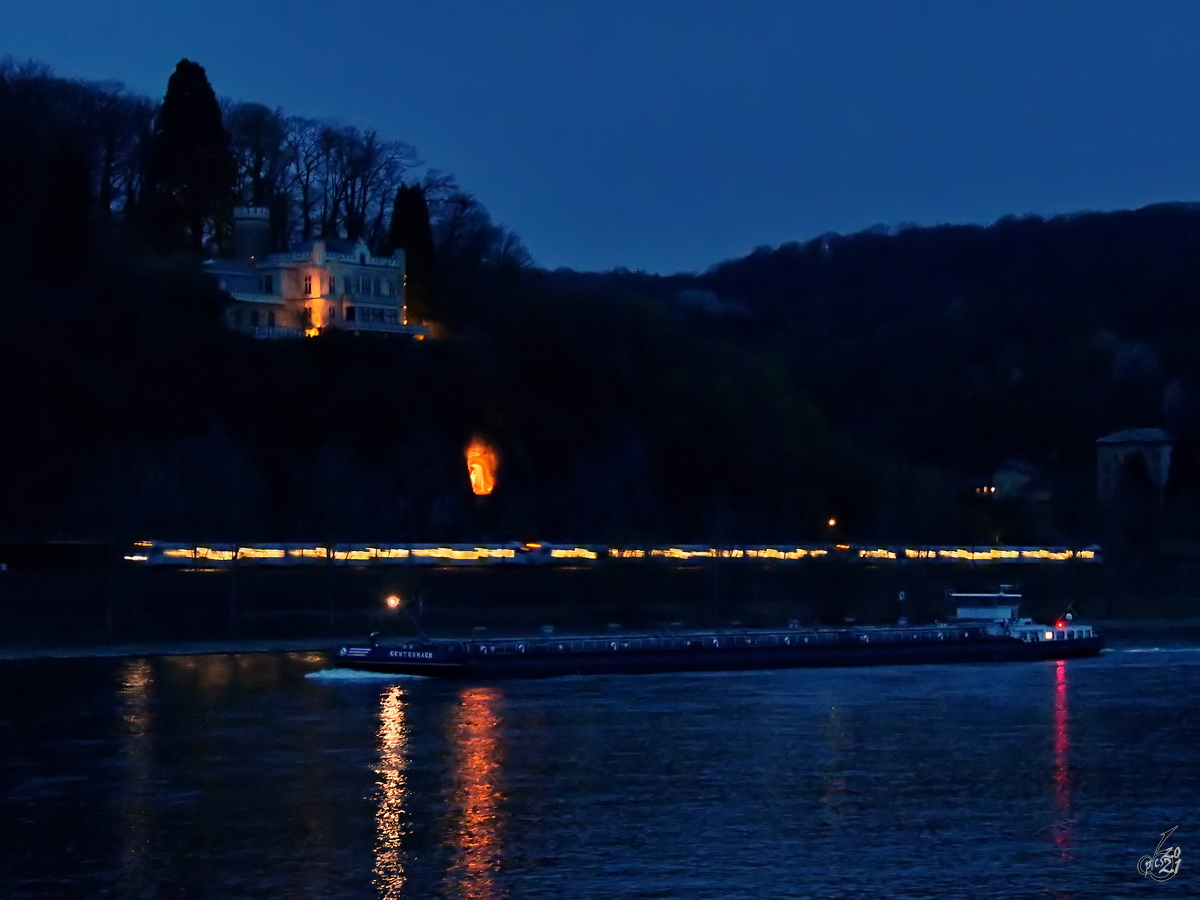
[{"x": 315, "y": 287}]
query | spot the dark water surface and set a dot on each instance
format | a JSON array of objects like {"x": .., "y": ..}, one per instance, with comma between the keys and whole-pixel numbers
[{"x": 261, "y": 776}]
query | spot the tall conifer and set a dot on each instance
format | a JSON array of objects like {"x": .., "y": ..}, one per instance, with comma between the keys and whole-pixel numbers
[
  {"x": 411, "y": 232},
  {"x": 190, "y": 170}
]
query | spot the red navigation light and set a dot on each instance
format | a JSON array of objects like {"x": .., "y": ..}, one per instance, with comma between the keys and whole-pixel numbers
[{"x": 1060, "y": 624}]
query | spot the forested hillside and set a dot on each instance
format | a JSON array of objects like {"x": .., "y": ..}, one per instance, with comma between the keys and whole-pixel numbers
[{"x": 865, "y": 377}]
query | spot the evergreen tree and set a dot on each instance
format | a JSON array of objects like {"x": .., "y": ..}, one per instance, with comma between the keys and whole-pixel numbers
[
  {"x": 190, "y": 170},
  {"x": 411, "y": 232}
]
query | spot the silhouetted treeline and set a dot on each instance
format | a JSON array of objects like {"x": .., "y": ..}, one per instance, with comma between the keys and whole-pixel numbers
[
  {"x": 960, "y": 347},
  {"x": 865, "y": 378},
  {"x": 82, "y": 155}
]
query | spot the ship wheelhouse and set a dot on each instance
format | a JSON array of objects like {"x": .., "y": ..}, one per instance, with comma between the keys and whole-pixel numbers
[{"x": 1000, "y": 610}]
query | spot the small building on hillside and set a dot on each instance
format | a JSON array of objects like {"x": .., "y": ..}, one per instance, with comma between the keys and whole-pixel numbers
[
  {"x": 1114, "y": 452},
  {"x": 315, "y": 287},
  {"x": 1019, "y": 479}
]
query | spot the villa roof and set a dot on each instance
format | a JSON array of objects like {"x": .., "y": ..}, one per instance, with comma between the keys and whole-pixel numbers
[
  {"x": 332, "y": 245},
  {"x": 1136, "y": 436},
  {"x": 227, "y": 267}
]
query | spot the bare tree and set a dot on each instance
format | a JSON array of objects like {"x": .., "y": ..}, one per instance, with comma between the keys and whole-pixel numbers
[
  {"x": 379, "y": 171},
  {"x": 302, "y": 143},
  {"x": 334, "y": 152},
  {"x": 318, "y": 178},
  {"x": 464, "y": 232},
  {"x": 107, "y": 126},
  {"x": 258, "y": 138}
]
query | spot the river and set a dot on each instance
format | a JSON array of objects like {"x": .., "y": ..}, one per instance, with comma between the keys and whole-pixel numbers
[{"x": 270, "y": 775}]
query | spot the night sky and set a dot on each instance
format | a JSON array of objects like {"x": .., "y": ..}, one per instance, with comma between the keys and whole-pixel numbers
[{"x": 668, "y": 136}]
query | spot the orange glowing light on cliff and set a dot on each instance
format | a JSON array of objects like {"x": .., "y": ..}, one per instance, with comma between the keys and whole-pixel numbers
[{"x": 481, "y": 466}]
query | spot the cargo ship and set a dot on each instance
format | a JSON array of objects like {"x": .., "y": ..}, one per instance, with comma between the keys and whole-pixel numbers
[{"x": 986, "y": 629}]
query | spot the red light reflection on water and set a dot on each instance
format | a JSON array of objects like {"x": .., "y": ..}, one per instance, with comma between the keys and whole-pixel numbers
[
  {"x": 475, "y": 738},
  {"x": 1062, "y": 829}
]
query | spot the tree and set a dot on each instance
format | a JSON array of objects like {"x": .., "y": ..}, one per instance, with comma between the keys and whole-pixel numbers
[
  {"x": 257, "y": 138},
  {"x": 303, "y": 147},
  {"x": 190, "y": 170},
  {"x": 411, "y": 232}
]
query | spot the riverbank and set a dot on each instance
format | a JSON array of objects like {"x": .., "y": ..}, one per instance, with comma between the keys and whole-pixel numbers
[
  {"x": 128, "y": 650},
  {"x": 286, "y": 610}
]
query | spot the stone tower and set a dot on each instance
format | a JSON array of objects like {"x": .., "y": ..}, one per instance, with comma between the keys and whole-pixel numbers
[{"x": 251, "y": 233}]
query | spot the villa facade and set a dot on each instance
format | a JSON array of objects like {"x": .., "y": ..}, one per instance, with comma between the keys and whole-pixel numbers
[{"x": 318, "y": 286}]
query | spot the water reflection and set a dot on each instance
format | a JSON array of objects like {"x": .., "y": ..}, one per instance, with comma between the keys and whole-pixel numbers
[
  {"x": 136, "y": 680},
  {"x": 215, "y": 676},
  {"x": 391, "y": 824},
  {"x": 835, "y": 773},
  {"x": 1062, "y": 762},
  {"x": 476, "y": 746}
]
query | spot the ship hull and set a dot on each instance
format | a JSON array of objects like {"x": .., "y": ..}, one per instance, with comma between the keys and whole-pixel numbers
[{"x": 472, "y": 661}]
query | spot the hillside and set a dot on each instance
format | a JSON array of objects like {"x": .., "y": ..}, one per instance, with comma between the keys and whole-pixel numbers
[{"x": 865, "y": 378}]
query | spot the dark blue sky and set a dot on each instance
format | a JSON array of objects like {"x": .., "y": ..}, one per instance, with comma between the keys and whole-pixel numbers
[{"x": 671, "y": 135}]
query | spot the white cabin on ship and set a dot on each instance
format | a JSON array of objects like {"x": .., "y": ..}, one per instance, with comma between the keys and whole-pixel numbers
[{"x": 1000, "y": 608}]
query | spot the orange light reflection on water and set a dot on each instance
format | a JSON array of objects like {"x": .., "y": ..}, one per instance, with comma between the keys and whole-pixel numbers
[
  {"x": 391, "y": 818},
  {"x": 475, "y": 740},
  {"x": 1062, "y": 762}
]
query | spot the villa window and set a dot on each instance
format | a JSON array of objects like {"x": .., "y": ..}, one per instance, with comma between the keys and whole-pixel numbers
[
  {"x": 362, "y": 259},
  {"x": 268, "y": 284},
  {"x": 254, "y": 317},
  {"x": 332, "y": 313},
  {"x": 349, "y": 313},
  {"x": 378, "y": 288},
  {"x": 271, "y": 319},
  {"x": 332, "y": 284},
  {"x": 307, "y": 284}
]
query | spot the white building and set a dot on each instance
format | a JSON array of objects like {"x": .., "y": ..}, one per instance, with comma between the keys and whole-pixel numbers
[
  {"x": 319, "y": 286},
  {"x": 1113, "y": 451}
]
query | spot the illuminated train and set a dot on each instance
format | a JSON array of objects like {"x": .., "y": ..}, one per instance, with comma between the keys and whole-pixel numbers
[{"x": 161, "y": 553}]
